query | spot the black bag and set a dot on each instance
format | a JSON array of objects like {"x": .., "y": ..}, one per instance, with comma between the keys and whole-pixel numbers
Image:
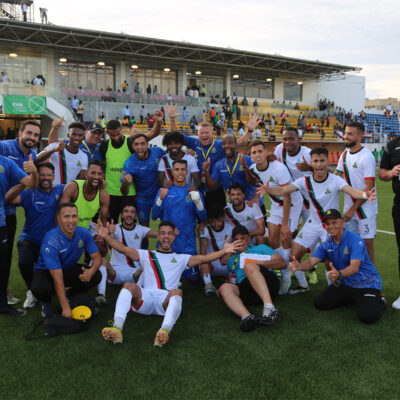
[{"x": 59, "y": 325}]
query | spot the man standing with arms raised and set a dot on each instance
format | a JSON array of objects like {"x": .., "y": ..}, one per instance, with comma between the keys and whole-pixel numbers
[
  {"x": 206, "y": 147},
  {"x": 357, "y": 165}
]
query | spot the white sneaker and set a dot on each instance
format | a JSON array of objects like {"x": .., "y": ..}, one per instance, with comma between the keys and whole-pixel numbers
[
  {"x": 210, "y": 289},
  {"x": 284, "y": 286},
  {"x": 396, "y": 304},
  {"x": 30, "y": 301}
]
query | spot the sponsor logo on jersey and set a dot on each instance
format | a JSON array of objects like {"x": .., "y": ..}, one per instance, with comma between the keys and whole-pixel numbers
[
  {"x": 63, "y": 251},
  {"x": 346, "y": 250},
  {"x": 114, "y": 169},
  {"x": 1, "y": 169},
  {"x": 327, "y": 191},
  {"x": 174, "y": 260},
  {"x": 80, "y": 244}
]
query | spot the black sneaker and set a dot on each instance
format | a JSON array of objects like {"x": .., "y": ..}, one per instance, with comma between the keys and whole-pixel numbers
[
  {"x": 271, "y": 319},
  {"x": 47, "y": 310},
  {"x": 12, "y": 311},
  {"x": 248, "y": 324}
]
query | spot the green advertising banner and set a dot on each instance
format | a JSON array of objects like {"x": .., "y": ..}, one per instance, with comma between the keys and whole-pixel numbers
[{"x": 25, "y": 105}]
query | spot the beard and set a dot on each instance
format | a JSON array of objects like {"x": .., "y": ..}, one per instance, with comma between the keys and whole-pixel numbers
[{"x": 351, "y": 144}]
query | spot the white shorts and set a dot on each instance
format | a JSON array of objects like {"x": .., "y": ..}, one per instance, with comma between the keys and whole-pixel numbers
[
  {"x": 366, "y": 228},
  {"x": 152, "y": 302},
  {"x": 294, "y": 217},
  {"x": 122, "y": 274},
  {"x": 310, "y": 235},
  {"x": 305, "y": 213},
  {"x": 219, "y": 269}
]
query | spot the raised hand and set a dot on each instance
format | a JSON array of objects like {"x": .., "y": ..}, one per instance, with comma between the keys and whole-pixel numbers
[
  {"x": 191, "y": 152},
  {"x": 206, "y": 165},
  {"x": 57, "y": 123},
  {"x": 254, "y": 120},
  {"x": 170, "y": 109},
  {"x": 112, "y": 228},
  {"x": 163, "y": 193},
  {"x": 243, "y": 162},
  {"x": 29, "y": 166},
  {"x": 127, "y": 178},
  {"x": 333, "y": 273},
  {"x": 60, "y": 146},
  {"x": 101, "y": 230},
  {"x": 231, "y": 247},
  {"x": 158, "y": 116},
  {"x": 262, "y": 189},
  {"x": 167, "y": 184},
  {"x": 134, "y": 130},
  {"x": 303, "y": 166}
]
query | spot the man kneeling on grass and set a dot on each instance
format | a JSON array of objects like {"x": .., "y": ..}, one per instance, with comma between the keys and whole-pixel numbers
[
  {"x": 355, "y": 278},
  {"x": 157, "y": 290},
  {"x": 252, "y": 280}
]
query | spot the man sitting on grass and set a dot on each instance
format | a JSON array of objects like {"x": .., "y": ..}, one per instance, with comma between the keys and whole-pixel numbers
[
  {"x": 355, "y": 278},
  {"x": 158, "y": 293},
  {"x": 252, "y": 280}
]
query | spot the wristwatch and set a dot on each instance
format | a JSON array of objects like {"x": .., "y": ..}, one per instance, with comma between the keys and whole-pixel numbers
[{"x": 337, "y": 282}]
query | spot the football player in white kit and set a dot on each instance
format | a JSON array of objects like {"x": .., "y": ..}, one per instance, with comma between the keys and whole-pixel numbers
[
  {"x": 240, "y": 213},
  {"x": 357, "y": 165},
  {"x": 322, "y": 190},
  {"x": 121, "y": 268},
  {"x": 213, "y": 238},
  {"x": 158, "y": 292},
  {"x": 284, "y": 216}
]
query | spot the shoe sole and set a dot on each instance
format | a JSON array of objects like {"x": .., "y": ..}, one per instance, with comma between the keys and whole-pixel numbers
[
  {"x": 111, "y": 335},
  {"x": 161, "y": 339}
]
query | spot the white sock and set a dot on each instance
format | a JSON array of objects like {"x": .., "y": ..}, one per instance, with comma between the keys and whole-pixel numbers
[
  {"x": 101, "y": 287},
  {"x": 301, "y": 278},
  {"x": 207, "y": 279},
  {"x": 122, "y": 307},
  {"x": 284, "y": 253},
  {"x": 245, "y": 316},
  {"x": 172, "y": 313},
  {"x": 268, "y": 307}
]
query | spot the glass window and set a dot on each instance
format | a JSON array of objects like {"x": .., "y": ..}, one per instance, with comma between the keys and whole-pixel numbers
[{"x": 292, "y": 91}]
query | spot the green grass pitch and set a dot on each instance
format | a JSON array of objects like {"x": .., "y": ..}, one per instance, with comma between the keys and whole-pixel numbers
[{"x": 309, "y": 354}]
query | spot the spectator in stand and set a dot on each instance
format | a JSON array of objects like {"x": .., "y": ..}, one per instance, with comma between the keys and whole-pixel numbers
[
  {"x": 245, "y": 102},
  {"x": 222, "y": 116},
  {"x": 137, "y": 88},
  {"x": 124, "y": 84},
  {"x": 148, "y": 91},
  {"x": 38, "y": 80},
  {"x": 230, "y": 126},
  {"x": 193, "y": 124},
  {"x": 126, "y": 112},
  {"x": 234, "y": 99},
  {"x": 185, "y": 115},
  {"x": 150, "y": 120},
  {"x": 241, "y": 128},
  {"x": 212, "y": 115},
  {"x": 155, "y": 89},
  {"x": 132, "y": 121},
  {"x": 79, "y": 112},
  {"x": 74, "y": 106},
  {"x": 203, "y": 91},
  {"x": 204, "y": 116},
  {"x": 328, "y": 121},
  {"x": 376, "y": 155},
  {"x": 24, "y": 9},
  {"x": 213, "y": 101},
  {"x": 43, "y": 15},
  {"x": 234, "y": 111},
  {"x": 190, "y": 92},
  {"x": 389, "y": 109},
  {"x": 322, "y": 120},
  {"x": 283, "y": 117},
  {"x": 255, "y": 105},
  {"x": 273, "y": 122},
  {"x": 169, "y": 97}
]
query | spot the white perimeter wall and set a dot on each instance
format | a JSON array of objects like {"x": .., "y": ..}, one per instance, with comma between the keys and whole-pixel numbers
[{"x": 348, "y": 93}]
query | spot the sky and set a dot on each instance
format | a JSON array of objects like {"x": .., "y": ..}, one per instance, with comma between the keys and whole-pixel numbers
[{"x": 359, "y": 32}]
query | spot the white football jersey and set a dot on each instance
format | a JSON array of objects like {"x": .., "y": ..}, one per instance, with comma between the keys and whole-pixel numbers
[
  {"x": 165, "y": 165},
  {"x": 247, "y": 217},
  {"x": 162, "y": 270},
  {"x": 356, "y": 168},
  {"x": 278, "y": 175},
  {"x": 290, "y": 161},
  {"x": 322, "y": 196},
  {"x": 131, "y": 238},
  {"x": 216, "y": 240}
]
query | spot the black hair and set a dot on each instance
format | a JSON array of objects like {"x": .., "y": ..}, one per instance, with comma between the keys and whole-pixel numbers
[
  {"x": 166, "y": 223},
  {"x": 215, "y": 211},
  {"x": 173, "y": 136},
  {"x": 237, "y": 186},
  {"x": 232, "y": 136},
  {"x": 78, "y": 125},
  {"x": 360, "y": 126},
  {"x": 113, "y": 124},
  {"x": 292, "y": 129},
  {"x": 29, "y": 122},
  {"x": 139, "y": 135},
  {"x": 181, "y": 161},
  {"x": 239, "y": 230},
  {"x": 319, "y": 151},
  {"x": 128, "y": 203},
  {"x": 45, "y": 165},
  {"x": 98, "y": 163},
  {"x": 65, "y": 205},
  {"x": 257, "y": 143}
]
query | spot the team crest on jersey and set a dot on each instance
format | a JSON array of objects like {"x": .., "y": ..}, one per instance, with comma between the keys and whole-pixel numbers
[
  {"x": 1, "y": 169},
  {"x": 141, "y": 214},
  {"x": 136, "y": 236},
  {"x": 300, "y": 235},
  {"x": 80, "y": 244},
  {"x": 241, "y": 168},
  {"x": 187, "y": 199},
  {"x": 157, "y": 161},
  {"x": 327, "y": 191},
  {"x": 271, "y": 179},
  {"x": 248, "y": 218},
  {"x": 78, "y": 164},
  {"x": 174, "y": 260},
  {"x": 355, "y": 165},
  {"x": 346, "y": 250},
  {"x": 213, "y": 150},
  {"x": 57, "y": 196}
]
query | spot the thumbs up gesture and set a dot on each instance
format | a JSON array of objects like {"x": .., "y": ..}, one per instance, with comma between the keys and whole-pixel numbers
[
  {"x": 29, "y": 166},
  {"x": 206, "y": 165},
  {"x": 294, "y": 265},
  {"x": 127, "y": 178},
  {"x": 333, "y": 274},
  {"x": 303, "y": 166}
]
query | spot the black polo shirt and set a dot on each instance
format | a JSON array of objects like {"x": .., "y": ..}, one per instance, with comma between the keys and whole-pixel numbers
[{"x": 391, "y": 158}]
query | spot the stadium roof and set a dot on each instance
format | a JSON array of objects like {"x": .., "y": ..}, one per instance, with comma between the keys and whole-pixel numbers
[{"x": 159, "y": 52}]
